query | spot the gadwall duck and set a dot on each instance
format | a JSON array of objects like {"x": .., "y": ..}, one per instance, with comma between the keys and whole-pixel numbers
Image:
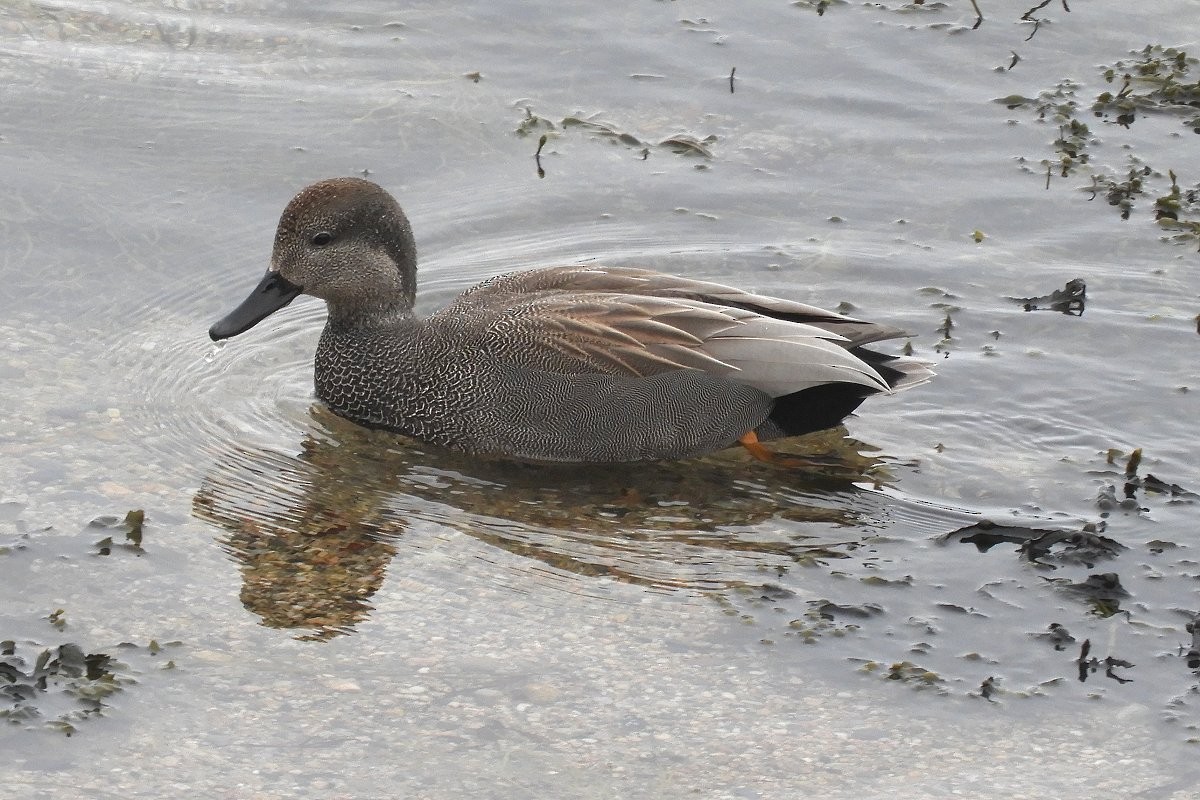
[{"x": 579, "y": 364}]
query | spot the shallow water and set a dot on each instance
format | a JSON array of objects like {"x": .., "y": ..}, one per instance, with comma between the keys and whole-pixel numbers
[{"x": 349, "y": 614}]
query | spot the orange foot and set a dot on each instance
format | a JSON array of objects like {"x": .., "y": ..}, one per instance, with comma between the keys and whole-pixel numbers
[{"x": 762, "y": 453}]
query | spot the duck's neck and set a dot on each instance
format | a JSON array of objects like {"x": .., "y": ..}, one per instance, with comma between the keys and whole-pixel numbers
[
  {"x": 375, "y": 314},
  {"x": 362, "y": 359}
]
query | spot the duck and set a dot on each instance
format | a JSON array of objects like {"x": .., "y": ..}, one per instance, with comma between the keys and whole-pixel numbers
[{"x": 582, "y": 364}]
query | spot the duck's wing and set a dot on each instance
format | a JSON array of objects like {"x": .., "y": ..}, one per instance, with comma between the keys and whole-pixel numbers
[
  {"x": 644, "y": 282},
  {"x": 635, "y": 322}
]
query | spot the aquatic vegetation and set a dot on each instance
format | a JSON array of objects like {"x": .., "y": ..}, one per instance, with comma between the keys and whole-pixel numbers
[
  {"x": 1155, "y": 80},
  {"x": 684, "y": 144},
  {"x": 131, "y": 526},
  {"x": 687, "y": 145},
  {"x": 62, "y": 685},
  {"x": 1134, "y": 485},
  {"x": 1071, "y": 299},
  {"x": 533, "y": 124},
  {"x": 1058, "y": 105},
  {"x": 1193, "y": 655},
  {"x": 1028, "y": 16},
  {"x": 1041, "y": 546},
  {"x": 1090, "y": 664},
  {"x": 1179, "y": 210},
  {"x": 1103, "y": 592},
  {"x": 934, "y": 8},
  {"x": 907, "y": 672},
  {"x": 819, "y": 6},
  {"x": 1056, "y": 635}
]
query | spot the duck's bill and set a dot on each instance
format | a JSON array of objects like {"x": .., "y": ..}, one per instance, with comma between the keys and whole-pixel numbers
[{"x": 272, "y": 293}]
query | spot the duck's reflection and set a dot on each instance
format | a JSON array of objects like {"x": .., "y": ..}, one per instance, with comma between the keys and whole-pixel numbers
[
  {"x": 310, "y": 531},
  {"x": 316, "y": 532}
]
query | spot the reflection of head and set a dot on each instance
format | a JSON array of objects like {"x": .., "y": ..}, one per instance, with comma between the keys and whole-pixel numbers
[
  {"x": 316, "y": 532},
  {"x": 312, "y": 537}
]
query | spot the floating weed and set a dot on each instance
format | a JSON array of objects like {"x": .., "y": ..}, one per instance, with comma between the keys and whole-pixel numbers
[
  {"x": 1028, "y": 16},
  {"x": 924, "y": 679},
  {"x": 910, "y": 7},
  {"x": 913, "y": 674},
  {"x": 63, "y": 686},
  {"x": 94, "y": 25},
  {"x": 1070, "y": 300},
  {"x": 131, "y": 526},
  {"x": 532, "y": 124},
  {"x": 1175, "y": 201},
  {"x": 1088, "y": 665},
  {"x": 680, "y": 143},
  {"x": 820, "y": 6},
  {"x": 1121, "y": 193},
  {"x": 826, "y": 618},
  {"x": 603, "y": 130},
  {"x": 1102, "y": 592},
  {"x": 1193, "y": 655},
  {"x": 1071, "y": 146},
  {"x": 1158, "y": 79},
  {"x": 919, "y": 7},
  {"x": 930, "y": 8},
  {"x": 878, "y": 580},
  {"x": 1135, "y": 461},
  {"x": 537, "y": 157},
  {"x": 1179, "y": 211},
  {"x": 58, "y": 618},
  {"x": 947, "y": 341},
  {"x": 1058, "y": 106},
  {"x": 1055, "y": 635},
  {"x": 1044, "y": 547},
  {"x": 1155, "y": 80},
  {"x": 812, "y": 628},
  {"x": 686, "y": 145},
  {"x": 1136, "y": 489}
]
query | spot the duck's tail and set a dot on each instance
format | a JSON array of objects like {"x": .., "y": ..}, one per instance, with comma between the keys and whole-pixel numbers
[
  {"x": 899, "y": 372},
  {"x": 824, "y": 406}
]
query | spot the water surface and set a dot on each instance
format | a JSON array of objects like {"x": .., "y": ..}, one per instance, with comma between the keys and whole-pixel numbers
[{"x": 350, "y": 614}]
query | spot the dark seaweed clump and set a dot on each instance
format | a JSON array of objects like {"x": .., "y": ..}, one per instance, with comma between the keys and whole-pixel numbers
[{"x": 61, "y": 685}]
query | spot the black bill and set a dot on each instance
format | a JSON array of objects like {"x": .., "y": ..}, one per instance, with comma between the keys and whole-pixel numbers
[{"x": 272, "y": 293}]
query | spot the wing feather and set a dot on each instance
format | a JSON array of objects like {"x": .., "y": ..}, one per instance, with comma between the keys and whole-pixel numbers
[{"x": 637, "y": 322}]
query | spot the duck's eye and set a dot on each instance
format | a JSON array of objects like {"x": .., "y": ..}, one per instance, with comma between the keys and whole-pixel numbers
[{"x": 323, "y": 238}]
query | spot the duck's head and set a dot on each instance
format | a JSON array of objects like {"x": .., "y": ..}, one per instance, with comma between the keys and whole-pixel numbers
[{"x": 344, "y": 240}]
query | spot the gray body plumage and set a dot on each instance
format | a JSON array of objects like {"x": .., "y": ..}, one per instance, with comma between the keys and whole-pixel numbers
[
  {"x": 437, "y": 382},
  {"x": 588, "y": 364}
]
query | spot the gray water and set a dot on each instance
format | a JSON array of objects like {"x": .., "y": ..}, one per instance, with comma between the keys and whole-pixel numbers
[{"x": 318, "y": 611}]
